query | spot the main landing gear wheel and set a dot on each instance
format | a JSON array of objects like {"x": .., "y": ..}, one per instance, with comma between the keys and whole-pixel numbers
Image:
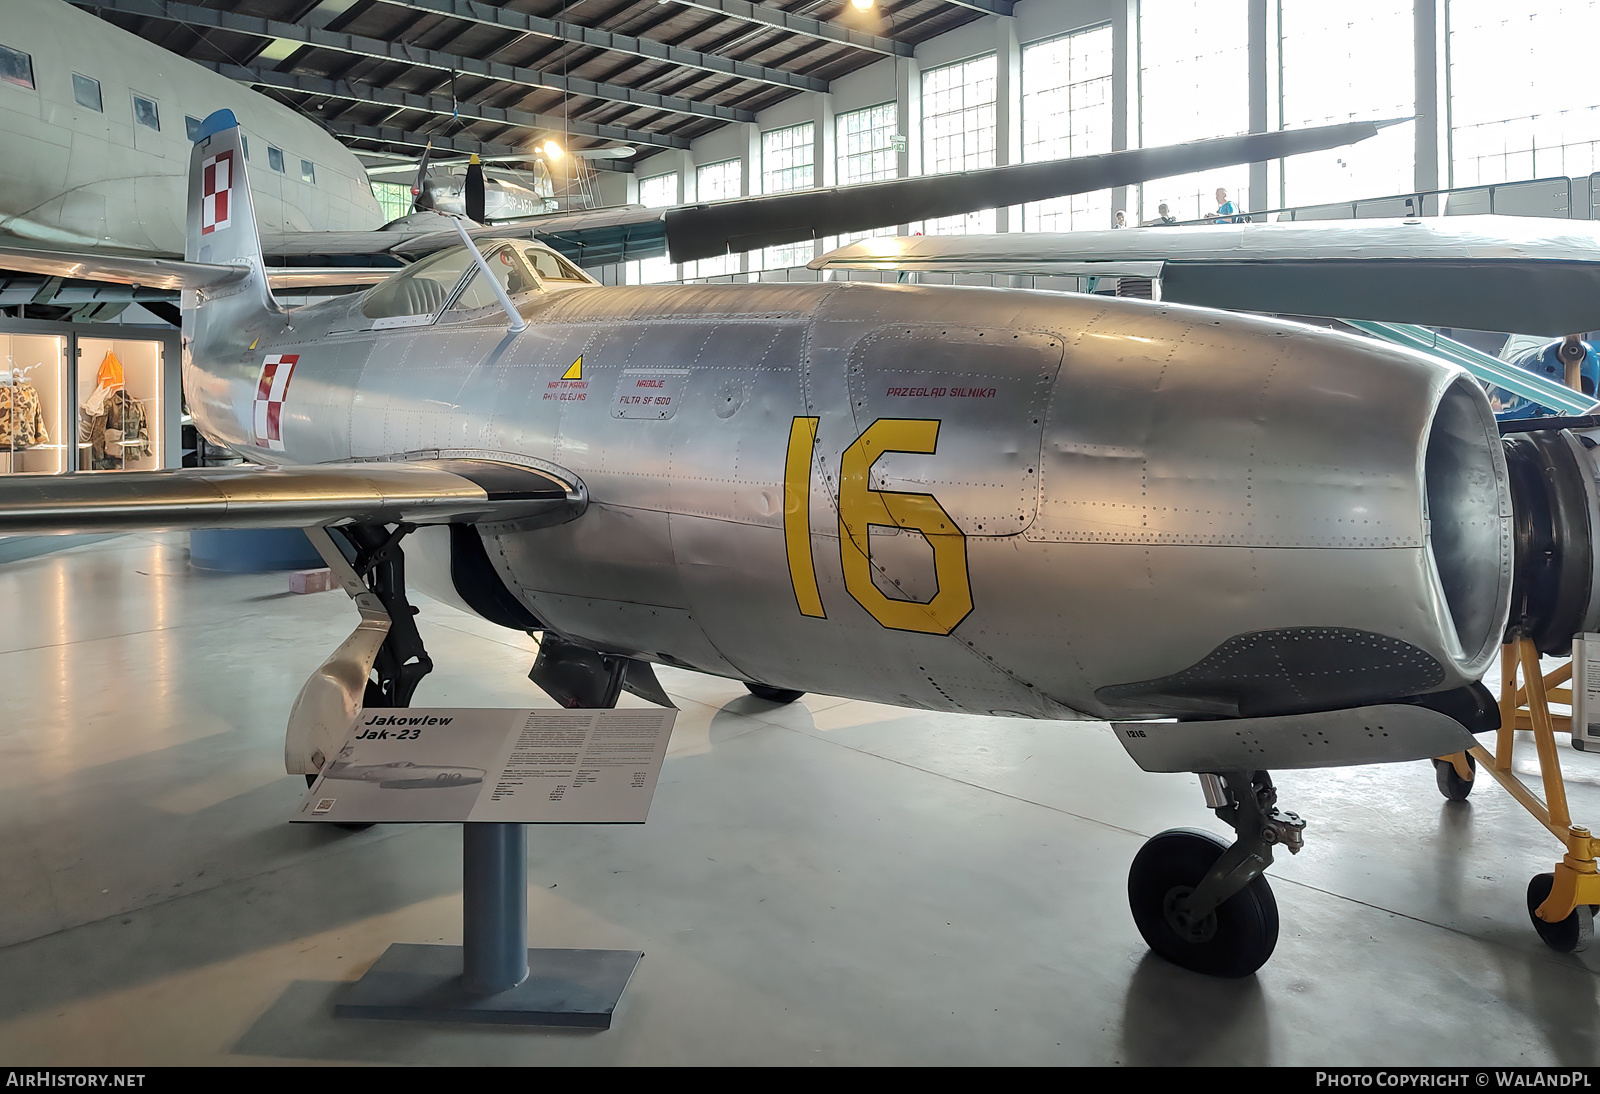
[
  {"x": 1452, "y": 785},
  {"x": 1235, "y": 940},
  {"x": 774, "y": 695},
  {"x": 1574, "y": 933}
]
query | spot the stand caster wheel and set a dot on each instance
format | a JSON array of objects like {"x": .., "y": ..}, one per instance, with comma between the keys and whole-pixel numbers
[
  {"x": 348, "y": 826},
  {"x": 1451, "y": 785},
  {"x": 774, "y": 695},
  {"x": 1574, "y": 933},
  {"x": 1235, "y": 940}
]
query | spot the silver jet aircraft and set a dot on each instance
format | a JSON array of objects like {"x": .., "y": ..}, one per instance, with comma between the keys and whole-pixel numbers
[{"x": 1250, "y": 543}]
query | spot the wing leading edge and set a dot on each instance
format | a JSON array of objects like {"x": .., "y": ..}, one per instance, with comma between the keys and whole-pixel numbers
[
  {"x": 420, "y": 492},
  {"x": 1529, "y": 274}
]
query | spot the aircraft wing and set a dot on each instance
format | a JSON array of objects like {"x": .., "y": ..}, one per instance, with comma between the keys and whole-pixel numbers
[
  {"x": 157, "y": 273},
  {"x": 1529, "y": 274},
  {"x": 420, "y": 492},
  {"x": 174, "y": 273},
  {"x": 705, "y": 231}
]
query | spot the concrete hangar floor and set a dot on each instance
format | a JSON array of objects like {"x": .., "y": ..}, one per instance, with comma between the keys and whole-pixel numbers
[{"x": 831, "y": 882}]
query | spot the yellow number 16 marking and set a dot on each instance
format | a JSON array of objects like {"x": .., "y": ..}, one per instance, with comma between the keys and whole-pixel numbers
[{"x": 860, "y": 509}]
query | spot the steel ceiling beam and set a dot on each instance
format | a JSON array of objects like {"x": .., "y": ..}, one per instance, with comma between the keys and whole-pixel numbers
[
  {"x": 393, "y": 135},
  {"x": 441, "y": 105},
  {"x": 800, "y": 24},
  {"x": 490, "y": 15},
  {"x": 416, "y": 56},
  {"x": 988, "y": 7}
]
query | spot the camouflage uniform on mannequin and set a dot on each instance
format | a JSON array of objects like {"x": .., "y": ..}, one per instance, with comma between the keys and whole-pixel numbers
[
  {"x": 112, "y": 421},
  {"x": 21, "y": 419}
]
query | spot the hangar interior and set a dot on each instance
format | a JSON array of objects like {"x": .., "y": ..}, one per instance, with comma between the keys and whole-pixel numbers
[{"x": 827, "y": 880}]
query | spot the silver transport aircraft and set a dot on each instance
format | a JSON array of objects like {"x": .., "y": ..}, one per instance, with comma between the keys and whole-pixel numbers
[{"x": 1249, "y": 543}]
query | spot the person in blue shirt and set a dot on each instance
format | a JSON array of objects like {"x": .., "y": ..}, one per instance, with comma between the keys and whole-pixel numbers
[
  {"x": 1227, "y": 212},
  {"x": 1545, "y": 361}
]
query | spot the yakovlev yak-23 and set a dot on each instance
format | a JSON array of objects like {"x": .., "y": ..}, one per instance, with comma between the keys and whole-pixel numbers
[{"x": 1249, "y": 543}]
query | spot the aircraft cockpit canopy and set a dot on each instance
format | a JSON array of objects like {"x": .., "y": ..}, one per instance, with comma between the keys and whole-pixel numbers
[{"x": 450, "y": 280}]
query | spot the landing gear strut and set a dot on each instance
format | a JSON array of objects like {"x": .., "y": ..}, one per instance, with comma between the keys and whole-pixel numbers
[
  {"x": 402, "y": 660},
  {"x": 1203, "y": 904},
  {"x": 386, "y": 675}
]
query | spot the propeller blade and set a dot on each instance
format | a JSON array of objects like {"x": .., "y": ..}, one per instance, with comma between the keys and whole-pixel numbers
[
  {"x": 421, "y": 195},
  {"x": 473, "y": 194}
]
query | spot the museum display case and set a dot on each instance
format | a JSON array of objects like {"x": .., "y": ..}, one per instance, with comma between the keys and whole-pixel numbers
[
  {"x": 34, "y": 433},
  {"x": 79, "y": 398}
]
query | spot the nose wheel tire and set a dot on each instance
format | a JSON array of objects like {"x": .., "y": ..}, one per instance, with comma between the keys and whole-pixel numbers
[
  {"x": 1233, "y": 941},
  {"x": 1451, "y": 785},
  {"x": 774, "y": 695},
  {"x": 1574, "y": 933}
]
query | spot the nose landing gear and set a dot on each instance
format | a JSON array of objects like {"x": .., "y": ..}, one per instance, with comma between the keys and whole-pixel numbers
[{"x": 1203, "y": 904}]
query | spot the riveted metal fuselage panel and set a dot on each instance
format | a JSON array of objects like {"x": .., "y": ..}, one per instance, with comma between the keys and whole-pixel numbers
[{"x": 1124, "y": 488}]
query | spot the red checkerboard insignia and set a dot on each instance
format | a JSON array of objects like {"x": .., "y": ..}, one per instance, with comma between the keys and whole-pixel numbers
[
  {"x": 216, "y": 197},
  {"x": 271, "y": 389}
]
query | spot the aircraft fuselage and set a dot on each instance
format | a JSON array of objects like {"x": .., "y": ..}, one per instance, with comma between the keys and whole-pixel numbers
[{"x": 973, "y": 500}]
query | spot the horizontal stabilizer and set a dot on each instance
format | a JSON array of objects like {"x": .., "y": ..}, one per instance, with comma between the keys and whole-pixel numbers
[
  {"x": 155, "y": 273},
  {"x": 1529, "y": 274},
  {"x": 705, "y": 231},
  {"x": 423, "y": 492}
]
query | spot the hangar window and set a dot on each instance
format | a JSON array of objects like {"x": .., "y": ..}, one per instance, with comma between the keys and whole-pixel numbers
[
  {"x": 865, "y": 141},
  {"x": 655, "y": 192},
  {"x": 1066, "y": 111},
  {"x": 16, "y": 67},
  {"x": 715, "y": 182},
  {"x": 866, "y": 152},
  {"x": 86, "y": 92},
  {"x": 788, "y": 162},
  {"x": 191, "y": 126},
  {"x": 1340, "y": 65},
  {"x": 394, "y": 198},
  {"x": 1194, "y": 82},
  {"x": 145, "y": 113},
  {"x": 958, "y": 127},
  {"x": 308, "y": 171},
  {"x": 244, "y": 144},
  {"x": 1518, "y": 108},
  {"x": 275, "y": 158}
]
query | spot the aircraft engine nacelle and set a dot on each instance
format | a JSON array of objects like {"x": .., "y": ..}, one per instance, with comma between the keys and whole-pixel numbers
[{"x": 1239, "y": 519}]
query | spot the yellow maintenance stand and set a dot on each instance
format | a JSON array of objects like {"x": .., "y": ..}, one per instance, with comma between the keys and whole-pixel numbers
[{"x": 1561, "y": 904}]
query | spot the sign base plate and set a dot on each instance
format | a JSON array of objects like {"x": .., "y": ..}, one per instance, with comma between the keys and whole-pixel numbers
[{"x": 573, "y": 988}]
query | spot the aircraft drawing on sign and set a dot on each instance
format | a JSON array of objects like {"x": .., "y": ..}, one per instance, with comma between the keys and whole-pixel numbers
[
  {"x": 1249, "y": 543},
  {"x": 405, "y": 775}
]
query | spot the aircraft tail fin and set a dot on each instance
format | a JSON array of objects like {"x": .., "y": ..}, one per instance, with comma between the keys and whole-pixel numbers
[{"x": 222, "y": 231}]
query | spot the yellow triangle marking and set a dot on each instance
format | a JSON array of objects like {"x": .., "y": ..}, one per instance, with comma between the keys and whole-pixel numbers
[
  {"x": 576, "y": 371},
  {"x": 253, "y": 344}
]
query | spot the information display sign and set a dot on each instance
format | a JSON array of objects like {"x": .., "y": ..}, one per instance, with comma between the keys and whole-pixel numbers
[{"x": 494, "y": 765}]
